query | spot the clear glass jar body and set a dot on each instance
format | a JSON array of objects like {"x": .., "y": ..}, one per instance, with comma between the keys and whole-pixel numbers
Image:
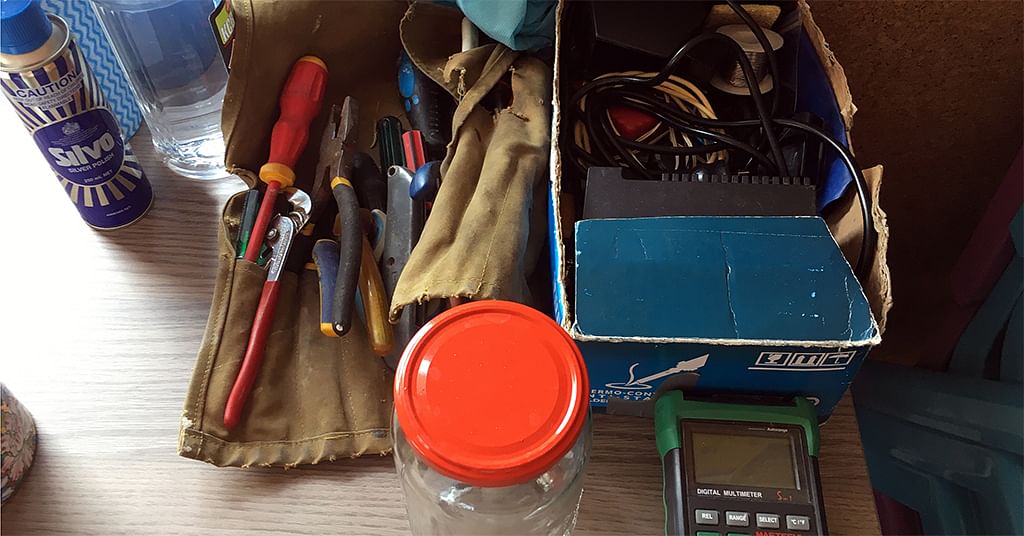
[
  {"x": 544, "y": 505},
  {"x": 173, "y": 63}
]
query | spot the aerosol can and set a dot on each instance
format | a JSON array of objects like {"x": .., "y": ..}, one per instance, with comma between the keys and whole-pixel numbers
[{"x": 45, "y": 76}]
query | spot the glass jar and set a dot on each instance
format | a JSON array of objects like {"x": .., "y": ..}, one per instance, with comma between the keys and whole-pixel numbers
[{"x": 492, "y": 423}]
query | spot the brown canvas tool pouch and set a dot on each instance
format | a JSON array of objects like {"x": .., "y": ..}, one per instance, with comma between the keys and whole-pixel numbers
[
  {"x": 479, "y": 242},
  {"x": 316, "y": 397}
]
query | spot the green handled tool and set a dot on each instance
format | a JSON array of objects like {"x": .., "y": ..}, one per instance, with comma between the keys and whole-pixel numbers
[
  {"x": 388, "y": 139},
  {"x": 250, "y": 206},
  {"x": 739, "y": 468}
]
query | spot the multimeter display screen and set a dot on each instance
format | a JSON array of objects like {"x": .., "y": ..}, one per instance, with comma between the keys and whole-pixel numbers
[{"x": 744, "y": 460}]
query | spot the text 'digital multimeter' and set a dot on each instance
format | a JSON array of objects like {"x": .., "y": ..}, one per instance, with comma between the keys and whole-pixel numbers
[{"x": 739, "y": 468}]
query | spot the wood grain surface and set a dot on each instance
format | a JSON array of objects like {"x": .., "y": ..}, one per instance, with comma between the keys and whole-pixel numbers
[{"x": 99, "y": 334}]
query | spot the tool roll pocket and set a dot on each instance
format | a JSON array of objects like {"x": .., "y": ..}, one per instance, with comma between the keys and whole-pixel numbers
[{"x": 315, "y": 397}]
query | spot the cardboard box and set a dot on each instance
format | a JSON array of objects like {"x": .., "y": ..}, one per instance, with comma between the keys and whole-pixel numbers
[{"x": 634, "y": 279}]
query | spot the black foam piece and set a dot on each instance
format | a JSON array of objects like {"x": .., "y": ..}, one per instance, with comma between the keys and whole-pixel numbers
[{"x": 611, "y": 35}]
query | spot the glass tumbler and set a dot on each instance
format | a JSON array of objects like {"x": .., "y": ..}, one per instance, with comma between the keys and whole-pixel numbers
[{"x": 170, "y": 55}]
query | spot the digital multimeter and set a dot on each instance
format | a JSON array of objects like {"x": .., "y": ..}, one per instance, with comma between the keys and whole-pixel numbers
[{"x": 739, "y": 469}]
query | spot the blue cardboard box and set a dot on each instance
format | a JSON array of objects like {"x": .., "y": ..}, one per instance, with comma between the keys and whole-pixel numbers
[{"x": 724, "y": 304}]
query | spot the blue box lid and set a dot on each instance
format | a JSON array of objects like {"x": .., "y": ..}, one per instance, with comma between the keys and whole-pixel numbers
[{"x": 750, "y": 279}]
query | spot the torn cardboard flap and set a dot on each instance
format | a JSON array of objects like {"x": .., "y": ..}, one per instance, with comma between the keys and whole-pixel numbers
[
  {"x": 834, "y": 71},
  {"x": 846, "y": 223}
]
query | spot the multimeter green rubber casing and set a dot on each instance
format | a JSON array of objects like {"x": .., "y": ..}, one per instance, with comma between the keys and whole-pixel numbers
[{"x": 714, "y": 484}]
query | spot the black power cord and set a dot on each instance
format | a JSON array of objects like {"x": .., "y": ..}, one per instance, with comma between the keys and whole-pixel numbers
[
  {"x": 635, "y": 91},
  {"x": 769, "y": 52},
  {"x": 677, "y": 119},
  {"x": 595, "y": 87},
  {"x": 870, "y": 237}
]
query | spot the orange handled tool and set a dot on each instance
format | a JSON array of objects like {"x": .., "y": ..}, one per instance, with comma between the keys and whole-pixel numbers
[
  {"x": 327, "y": 255},
  {"x": 300, "y": 102},
  {"x": 375, "y": 300}
]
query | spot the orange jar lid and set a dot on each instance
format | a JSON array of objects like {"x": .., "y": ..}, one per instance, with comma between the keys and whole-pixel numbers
[{"x": 491, "y": 393}]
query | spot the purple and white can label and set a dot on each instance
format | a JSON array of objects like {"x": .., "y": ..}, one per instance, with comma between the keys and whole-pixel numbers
[{"x": 63, "y": 107}]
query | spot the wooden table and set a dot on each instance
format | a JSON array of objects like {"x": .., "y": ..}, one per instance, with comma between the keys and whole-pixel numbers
[{"x": 99, "y": 336}]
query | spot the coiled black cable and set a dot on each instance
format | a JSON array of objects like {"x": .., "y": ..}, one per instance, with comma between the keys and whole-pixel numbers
[
  {"x": 676, "y": 118},
  {"x": 594, "y": 87}
]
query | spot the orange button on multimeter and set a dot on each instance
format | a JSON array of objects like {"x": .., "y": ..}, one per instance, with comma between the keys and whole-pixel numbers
[{"x": 739, "y": 468}]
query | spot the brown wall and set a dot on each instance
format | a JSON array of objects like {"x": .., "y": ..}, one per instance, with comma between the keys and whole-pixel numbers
[{"x": 938, "y": 85}]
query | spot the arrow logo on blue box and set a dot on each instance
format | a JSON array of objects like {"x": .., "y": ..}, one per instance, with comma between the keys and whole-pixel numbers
[{"x": 686, "y": 365}]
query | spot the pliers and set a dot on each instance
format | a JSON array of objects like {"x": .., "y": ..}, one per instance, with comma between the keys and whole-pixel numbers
[
  {"x": 349, "y": 262},
  {"x": 279, "y": 236},
  {"x": 335, "y": 168}
]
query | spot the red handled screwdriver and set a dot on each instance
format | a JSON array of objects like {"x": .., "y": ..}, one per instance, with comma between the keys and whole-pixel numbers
[{"x": 300, "y": 102}]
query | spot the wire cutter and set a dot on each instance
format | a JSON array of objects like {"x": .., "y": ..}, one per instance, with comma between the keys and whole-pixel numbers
[
  {"x": 347, "y": 264},
  {"x": 335, "y": 166}
]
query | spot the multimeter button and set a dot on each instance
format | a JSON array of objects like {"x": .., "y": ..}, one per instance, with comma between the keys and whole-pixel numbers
[
  {"x": 706, "y": 533},
  {"x": 767, "y": 521},
  {"x": 706, "y": 517},
  {"x": 737, "y": 519},
  {"x": 798, "y": 523}
]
